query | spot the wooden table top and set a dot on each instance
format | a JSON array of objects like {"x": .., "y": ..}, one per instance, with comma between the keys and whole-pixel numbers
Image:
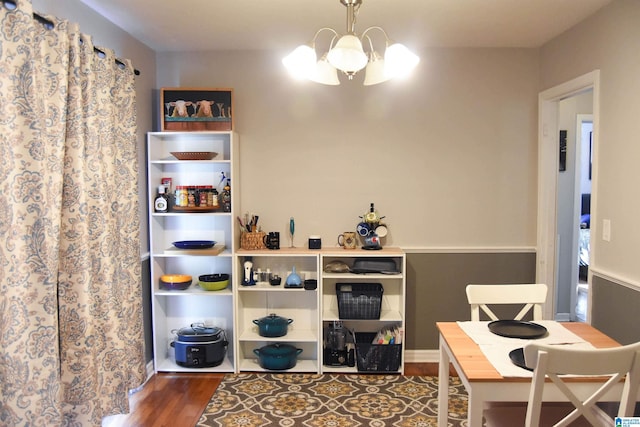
[{"x": 475, "y": 365}]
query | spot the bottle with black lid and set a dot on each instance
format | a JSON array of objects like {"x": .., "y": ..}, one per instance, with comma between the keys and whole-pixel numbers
[{"x": 161, "y": 203}]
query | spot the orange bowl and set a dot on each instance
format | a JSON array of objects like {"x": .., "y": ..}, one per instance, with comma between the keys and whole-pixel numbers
[{"x": 175, "y": 282}]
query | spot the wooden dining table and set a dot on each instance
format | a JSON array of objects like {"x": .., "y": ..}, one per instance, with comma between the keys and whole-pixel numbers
[{"x": 484, "y": 383}]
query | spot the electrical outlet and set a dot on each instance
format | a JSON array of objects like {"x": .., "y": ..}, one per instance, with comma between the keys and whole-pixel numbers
[{"x": 606, "y": 230}]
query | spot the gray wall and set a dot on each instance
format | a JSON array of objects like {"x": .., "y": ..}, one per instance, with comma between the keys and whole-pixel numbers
[
  {"x": 436, "y": 288},
  {"x": 616, "y": 310}
]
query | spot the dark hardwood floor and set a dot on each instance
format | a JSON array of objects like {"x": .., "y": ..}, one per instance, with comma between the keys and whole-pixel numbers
[{"x": 177, "y": 400}]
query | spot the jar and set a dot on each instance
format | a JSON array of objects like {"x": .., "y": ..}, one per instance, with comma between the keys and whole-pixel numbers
[
  {"x": 181, "y": 196},
  {"x": 191, "y": 197},
  {"x": 202, "y": 193}
]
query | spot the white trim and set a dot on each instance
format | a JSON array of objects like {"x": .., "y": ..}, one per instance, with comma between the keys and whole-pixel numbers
[
  {"x": 421, "y": 356},
  {"x": 615, "y": 278},
  {"x": 548, "y": 175},
  {"x": 467, "y": 250}
]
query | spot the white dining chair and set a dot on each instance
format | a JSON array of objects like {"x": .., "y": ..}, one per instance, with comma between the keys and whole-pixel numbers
[
  {"x": 531, "y": 296},
  {"x": 551, "y": 362}
]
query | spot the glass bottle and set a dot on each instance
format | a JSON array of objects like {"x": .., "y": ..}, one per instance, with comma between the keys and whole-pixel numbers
[
  {"x": 215, "y": 202},
  {"x": 226, "y": 197},
  {"x": 161, "y": 203}
]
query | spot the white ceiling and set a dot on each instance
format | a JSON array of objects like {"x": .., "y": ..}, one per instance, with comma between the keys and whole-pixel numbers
[{"x": 198, "y": 25}]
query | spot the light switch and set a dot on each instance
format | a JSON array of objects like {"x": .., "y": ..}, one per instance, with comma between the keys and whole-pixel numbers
[{"x": 606, "y": 230}]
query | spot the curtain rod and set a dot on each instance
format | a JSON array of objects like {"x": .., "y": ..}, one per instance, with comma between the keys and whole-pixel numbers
[{"x": 49, "y": 25}]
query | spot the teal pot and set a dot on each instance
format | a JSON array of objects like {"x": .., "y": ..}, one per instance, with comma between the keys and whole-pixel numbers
[
  {"x": 273, "y": 326},
  {"x": 277, "y": 357}
]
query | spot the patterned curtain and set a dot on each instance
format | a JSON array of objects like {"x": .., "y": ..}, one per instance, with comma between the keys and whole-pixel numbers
[{"x": 71, "y": 337}]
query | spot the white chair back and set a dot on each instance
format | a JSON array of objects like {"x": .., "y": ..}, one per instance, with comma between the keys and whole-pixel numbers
[
  {"x": 531, "y": 296},
  {"x": 551, "y": 361}
]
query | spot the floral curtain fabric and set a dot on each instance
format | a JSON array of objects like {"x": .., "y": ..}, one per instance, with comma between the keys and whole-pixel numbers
[{"x": 71, "y": 337}]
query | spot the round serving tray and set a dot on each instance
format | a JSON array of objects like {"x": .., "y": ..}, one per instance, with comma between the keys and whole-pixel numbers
[
  {"x": 194, "y": 155},
  {"x": 194, "y": 244},
  {"x": 517, "y": 358},
  {"x": 517, "y": 329}
]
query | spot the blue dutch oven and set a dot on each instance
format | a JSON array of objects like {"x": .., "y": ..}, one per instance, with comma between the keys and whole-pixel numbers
[
  {"x": 273, "y": 326},
  {"x": 277, "y": 356}
]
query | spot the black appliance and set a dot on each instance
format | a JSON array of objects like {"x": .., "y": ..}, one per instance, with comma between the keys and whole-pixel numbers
[
  {"x": 200, "y": 346},
  {"x": 338, "y": 346}
]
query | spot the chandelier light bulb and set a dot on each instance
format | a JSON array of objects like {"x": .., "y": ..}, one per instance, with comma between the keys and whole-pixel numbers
[
  {"x": 325, "y": 73},
  {"x": 301, "y": 63},
  {"x": 347, "y": 55},
  {"x": 374, "y": 73},
  {"x": 399, "y": 61}
]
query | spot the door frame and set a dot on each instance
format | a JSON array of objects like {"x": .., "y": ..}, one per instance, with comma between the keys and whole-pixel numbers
[{"x": 548, "y": 160}]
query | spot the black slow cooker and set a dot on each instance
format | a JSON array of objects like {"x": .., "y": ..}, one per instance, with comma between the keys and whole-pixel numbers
[{"x": 200, "y": 346}]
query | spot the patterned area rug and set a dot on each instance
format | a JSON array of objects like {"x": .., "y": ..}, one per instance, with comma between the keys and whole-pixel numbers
[{"x": 251, "y": 400}]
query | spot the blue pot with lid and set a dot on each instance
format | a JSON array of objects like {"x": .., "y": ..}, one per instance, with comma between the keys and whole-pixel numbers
[{"x": 273, "y": 325}]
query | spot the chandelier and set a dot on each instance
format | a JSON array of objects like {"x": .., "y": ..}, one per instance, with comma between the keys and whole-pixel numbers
[{"x": 347, "y": 54}]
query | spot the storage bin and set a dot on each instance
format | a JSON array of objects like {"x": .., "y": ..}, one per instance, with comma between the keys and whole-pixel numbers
[
  {"x": 359, "y": 300},
  {"x": 252, "y": 241},
  {"x": 376, "y": 357}
]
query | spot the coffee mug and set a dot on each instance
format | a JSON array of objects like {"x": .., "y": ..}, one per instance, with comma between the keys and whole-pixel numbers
[
  {"x": 347, "y": 240},
  {"x": 363, "y": 229},
  {"x": 272, "y": 240},
  {"x": 381, "y": 230},
  {"x": 372, "y": 241}
]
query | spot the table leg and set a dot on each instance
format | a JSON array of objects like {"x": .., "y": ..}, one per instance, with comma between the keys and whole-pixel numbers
[
  {"x": 476, "y": 407},
  {"x": 443, "y": 385}
]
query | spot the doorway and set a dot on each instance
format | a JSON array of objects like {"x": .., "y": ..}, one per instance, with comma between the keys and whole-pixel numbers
[{"x": 548, "y": 242}]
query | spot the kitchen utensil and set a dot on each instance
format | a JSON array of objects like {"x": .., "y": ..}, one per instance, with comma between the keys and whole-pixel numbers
[
  {"x": 248, "y": 273},
  {"x": 293, "y": 279},
  {"x": 175, "y": 282},
  {"x": 363, "y": 229},
  {"x": 375, "y": 265},
  {"x": 517, "y": 358},
  {"x": 194, "y": 244},
  {"x": 381, "y": 230},
  {"x": 336, "y": 267},
  {"x": 277, "y": 356},
  {"x": 272, "y": 326},
  {"x": 199, "y": 346},
  {"x": 347, "y": 240},
  {"x": 194, "y": 155},
  {"x": 275, "y": 280},
  {"x": 213, "y": 282},
  {"x": 272, "y": 240},
  {"x": 372, "y": 241},
  {"x": 315, "y": 242},
  {"x": 337, "y": 347},
  {"x": 292, "y": 229},
  {"x": 517, "y": 329}
]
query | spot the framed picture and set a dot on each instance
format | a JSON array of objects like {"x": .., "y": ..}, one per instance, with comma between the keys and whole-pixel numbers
[
  {"x": 563, "y": 151},
  {"x": 196, "y": 109}
]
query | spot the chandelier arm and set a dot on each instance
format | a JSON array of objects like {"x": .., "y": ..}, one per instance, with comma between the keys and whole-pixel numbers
[
  {"x": 386, "y": 37},
  {"x": 370, "y": 41},
  {"x": 335, "y": 34}
]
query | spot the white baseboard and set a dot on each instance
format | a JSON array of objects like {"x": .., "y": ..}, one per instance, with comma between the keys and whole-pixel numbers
[{"x": 421, "y": 356}]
